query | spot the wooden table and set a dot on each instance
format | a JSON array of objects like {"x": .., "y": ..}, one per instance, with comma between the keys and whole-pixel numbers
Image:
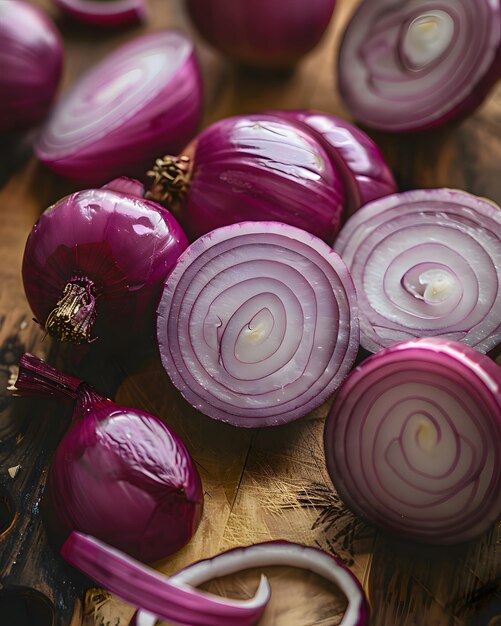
[{"x": 258, "y": 484}]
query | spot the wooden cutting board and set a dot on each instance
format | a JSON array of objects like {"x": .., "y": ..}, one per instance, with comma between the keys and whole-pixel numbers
[{"x": 261, "y": 484}]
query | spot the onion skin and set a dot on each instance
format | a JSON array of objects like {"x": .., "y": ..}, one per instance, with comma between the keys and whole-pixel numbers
[
  {"x": 426, "y": 263},
  {"x": 122, "y": 245},
  {"x": 143, "y": 99},
  {"x": 397, "y": 75},
  {"x": 412, "y": 441},
  {"x": 257, "y": 324},
  {"x": 104, "y": 12},
  {"x": 263, "y": 34},
  {"x": 31, "y": 58}
]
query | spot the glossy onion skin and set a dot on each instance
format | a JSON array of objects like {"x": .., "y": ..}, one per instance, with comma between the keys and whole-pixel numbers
[
  {"x": 31, "y": 57},
  {"x": 413, "y": 438},
  {"x": 262, "y": 167},
  {"x": 143, "y": 99},
  {"x": 104, "y": 12},
  {"x": 391, "y": 243},
  {"x": 257, "y": 324},
  {"x": 263, "y": 33},
  {"x": 124, "y": 244},
  {"x": 386, "y": 89},
  {"x": 121, "y": 475}
]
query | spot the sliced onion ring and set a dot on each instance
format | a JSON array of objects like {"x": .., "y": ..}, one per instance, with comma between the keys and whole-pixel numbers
[
  {"x": 257, "y": 324},
  {"x": 412, "y": 441},
  {"x": 426, "y": 263},
  {"x": 270, "y": 554},
  {"x": 414, "y": 64},
  {"x": 171, "y": 600},
  {"x": 104, "y": 12}
]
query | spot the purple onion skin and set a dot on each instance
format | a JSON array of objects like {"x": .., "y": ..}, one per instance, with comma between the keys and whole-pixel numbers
[
  {"x": 31, "y": 58},
  {"x": 104, "y": 12},
  {"x": 262, "y": 168},
  {"x": 125, "y": 245},
  {"x": 474, "y": 382},
  {"x": 359, "y": 161},
  {"x": 265, "y": 33}
]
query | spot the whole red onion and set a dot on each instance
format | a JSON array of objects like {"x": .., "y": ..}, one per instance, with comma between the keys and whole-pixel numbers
[
  {"x": 95, "y": 263},
  {"x": 118, "y": 473},
  {"x": 31, "y": 55},
  {"x": 262, "y": 33}
]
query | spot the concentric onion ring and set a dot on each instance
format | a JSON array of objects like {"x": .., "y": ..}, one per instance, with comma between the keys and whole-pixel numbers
[
  {"x": 414, "y": 64},
  {"x": 426, "y": 263},
  {"x": 257, "y": 324},
  {"x": 413, "y": 439}
]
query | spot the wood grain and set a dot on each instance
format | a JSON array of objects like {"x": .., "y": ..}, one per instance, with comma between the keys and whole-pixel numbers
[{"x": 262, "y": 484}]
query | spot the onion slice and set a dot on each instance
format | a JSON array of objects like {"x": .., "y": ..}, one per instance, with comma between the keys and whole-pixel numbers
[
  {"x": 142, "y": 99},
  {"x": 415, "y": 64},
  {"x": 412, "y": 441},
  {"x": 257, "y": 324},
  {"x": 171, "y": 600},
  {"x": 269, "y": 554},
  {"x": 104, "y": 12},
  {"x": 426, "y": 263}
]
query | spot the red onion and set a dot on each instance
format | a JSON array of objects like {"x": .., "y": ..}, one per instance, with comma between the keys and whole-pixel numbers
[
  {"x": 413, "y": 439},
  {"x": 144, "y": 98},
  {"x": 104, "y": 12},
  {"x": 257, "y": 324},
  {"x": 31, "y": 55},
  {"x": 263, "y": 33},
  {"x": 253, "y": 167},
  {"x": 415, "y": 64},
  {"x": 426, "y": 263},
  {"x": 358, "y": 160},
  {"x": 95, "y": 263},
  {"x": 172, "y": 600},
  {"x": 269, "y": 554},
  {"x": 119, "y": 474}
]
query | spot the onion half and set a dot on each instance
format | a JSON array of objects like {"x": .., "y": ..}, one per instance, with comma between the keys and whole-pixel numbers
[
  {"x": 269, "y": 554},
  {"x": 412, "y": 441},
  {"x": 415, "y": 64},
  {"x": 426, "y": 263},
  {"x": 104, "y": 12},
  {"x": 144, "y": 98}
]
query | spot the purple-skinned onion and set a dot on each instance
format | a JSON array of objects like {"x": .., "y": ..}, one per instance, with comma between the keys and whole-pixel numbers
[
  {"x": 104, "y": 12},
  {"x": 257, "y": 324},
  {"x": 426, "y": 263},
  {"x": 268, "y": 554},
  {"x": 265, "y": 33},
  {"x": 412, "y": 441},
  {"x": 141, "y": 100},
  {"x": 31, "y": 57},
  {"x": 95, "y": 263},
  {"x": 118, "y": 473},
  {"x": 416, "y": 64}
]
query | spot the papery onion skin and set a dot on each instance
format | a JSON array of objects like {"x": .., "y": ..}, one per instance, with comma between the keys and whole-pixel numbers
[
  {"x": 407, "y": 249},
  {"x": 31, "y": 58},
  {"x": 258, "y": 167},
  {"x": 173, "y": 601},
  {"x": 265, "y": 34},
  {"x": 361, "y": 164},
  {"x": 412, "y": 441},
  {"x": 120, "y": 245},
  {"x": 257, "y": 324},
  {"x": 401, "y": 71},
  {"x": 119, "y": 473},
  {"x": 104, "y": 12},
  {"x": 143, "y": 99},
  {"x": 275, "y": 553}
]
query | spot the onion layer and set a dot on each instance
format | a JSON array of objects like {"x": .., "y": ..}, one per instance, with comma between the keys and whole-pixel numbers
[
  {"x": 31, "y": 55},
  {"x": 269, "y": 554},
  {"x": 426, "y": 263},
  {"x": 172, "y": 600},
  {"x": 413, "y": 438},
  {"x": 104, "y": 12},
  {"x": 257, "y": 324},
  {"x": 414, "y": 64},
  {"x": 143, "y": 99}
]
